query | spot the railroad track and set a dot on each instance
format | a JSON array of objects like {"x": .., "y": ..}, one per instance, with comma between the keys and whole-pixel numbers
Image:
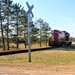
[
  {"x": 22, "y": 51},
  {"x": 32, "y": 50}
]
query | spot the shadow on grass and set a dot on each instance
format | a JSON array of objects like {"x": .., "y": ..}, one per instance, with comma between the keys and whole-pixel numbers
[{"x": 70, "y": 48}]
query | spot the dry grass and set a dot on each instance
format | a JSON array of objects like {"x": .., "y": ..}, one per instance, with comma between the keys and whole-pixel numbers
[
  {"x": 65, "y": 55},
  {"x": 22, "y": 47},
  {"x": 62, "y": 56}
]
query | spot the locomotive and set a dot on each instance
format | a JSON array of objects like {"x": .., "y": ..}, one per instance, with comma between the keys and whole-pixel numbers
[{"x": 59, "y": 38}]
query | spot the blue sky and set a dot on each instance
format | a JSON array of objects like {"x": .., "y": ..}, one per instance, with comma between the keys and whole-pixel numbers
[{"x": 60, "y": 14}]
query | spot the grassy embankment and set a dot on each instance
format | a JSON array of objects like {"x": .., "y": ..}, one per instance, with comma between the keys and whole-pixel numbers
[{"x": 56, "y": 56}]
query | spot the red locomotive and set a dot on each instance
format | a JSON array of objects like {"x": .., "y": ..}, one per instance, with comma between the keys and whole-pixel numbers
[{"x": 59, "y": 38}]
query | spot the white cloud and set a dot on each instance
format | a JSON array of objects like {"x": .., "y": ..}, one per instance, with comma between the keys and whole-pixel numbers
[
  {"x": 70, "y": 21},
  {"x": 71, "y": 25}
]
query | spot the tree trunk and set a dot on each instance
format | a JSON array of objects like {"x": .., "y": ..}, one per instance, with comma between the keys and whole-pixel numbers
[
  {"x": 2, "y": 28},
  {"x": 17, "y": 29},
  {"x": 25, "y": 40},
  {"x": 40, "y": 35},
  {"x": 46, "y": 38},
  {"x": 8, "y": 33},
  {"x": 8, "y": 26}
]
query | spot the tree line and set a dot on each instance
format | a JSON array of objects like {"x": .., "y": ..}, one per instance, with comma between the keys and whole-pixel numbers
[{"x": 13, "y": 26}]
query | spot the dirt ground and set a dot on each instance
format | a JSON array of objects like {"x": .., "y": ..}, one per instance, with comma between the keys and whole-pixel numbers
[{"x": 37, "y": 69}]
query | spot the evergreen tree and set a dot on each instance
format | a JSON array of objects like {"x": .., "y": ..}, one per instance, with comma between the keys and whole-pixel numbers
[{"x": 16, "y": 8}]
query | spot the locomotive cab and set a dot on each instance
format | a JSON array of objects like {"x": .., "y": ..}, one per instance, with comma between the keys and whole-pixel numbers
[{"x": 53, "y": 39}]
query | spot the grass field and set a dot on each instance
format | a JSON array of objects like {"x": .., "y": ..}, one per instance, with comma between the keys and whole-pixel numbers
[
  {"x": 58, "y": 56},
  {"x": 58, "y": 61}
]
